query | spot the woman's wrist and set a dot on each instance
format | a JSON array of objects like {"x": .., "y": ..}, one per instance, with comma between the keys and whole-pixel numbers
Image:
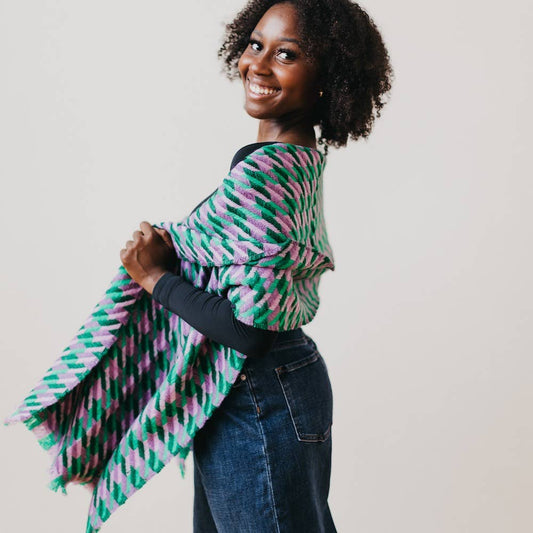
[{"x": 151, "y": 280}]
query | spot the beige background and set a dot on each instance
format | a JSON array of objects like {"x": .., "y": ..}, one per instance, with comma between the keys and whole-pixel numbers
[{"x": 111, "y": 113}]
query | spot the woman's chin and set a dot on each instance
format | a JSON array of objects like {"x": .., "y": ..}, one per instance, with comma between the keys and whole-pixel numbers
[{"x": 259, "y": 111}]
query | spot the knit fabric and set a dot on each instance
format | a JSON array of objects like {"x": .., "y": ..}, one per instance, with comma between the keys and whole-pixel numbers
[{"x": 137, "y": 382}]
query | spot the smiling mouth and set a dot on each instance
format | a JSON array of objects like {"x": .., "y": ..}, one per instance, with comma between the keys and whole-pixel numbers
[{"x": 261, "y": 90}]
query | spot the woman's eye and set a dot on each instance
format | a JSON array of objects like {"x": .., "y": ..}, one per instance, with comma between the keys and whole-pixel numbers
[
  {"x": 289, "y": 53},
  {"x": 253, "y": 42}
]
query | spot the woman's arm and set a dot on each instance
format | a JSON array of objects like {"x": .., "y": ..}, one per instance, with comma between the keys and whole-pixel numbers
[
  {"x": 212, "y": 315},
  {"x": 151, "y": 261}
]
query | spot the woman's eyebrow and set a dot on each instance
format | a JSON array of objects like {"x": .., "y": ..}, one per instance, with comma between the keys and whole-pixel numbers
[{"x": 289, "y": 39}]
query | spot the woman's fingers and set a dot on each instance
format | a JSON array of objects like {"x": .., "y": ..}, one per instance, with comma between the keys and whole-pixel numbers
[
  {"x": 149, "y": 252},
  {"x": 126, "y": 248},
  {"x": 124, "y": 253},
  {"x": 146, "y": 234},
  {"x": 146, "y": 228},
  {"x": 149, "y": 230},
  {"x": 165, "y": 236}
]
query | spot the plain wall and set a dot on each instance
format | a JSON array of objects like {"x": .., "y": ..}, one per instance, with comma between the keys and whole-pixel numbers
[{"x": 116, "y": 112}]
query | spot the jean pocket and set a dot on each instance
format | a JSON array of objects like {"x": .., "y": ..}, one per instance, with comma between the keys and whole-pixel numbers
[{"x": 307, "y": 389}]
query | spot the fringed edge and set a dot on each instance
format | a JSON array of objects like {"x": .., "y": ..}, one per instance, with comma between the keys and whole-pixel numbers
[
  {"x": 48, "y": 441},
  {"x": 57, "y": 484},
  {"x": 181, "y": 458}
]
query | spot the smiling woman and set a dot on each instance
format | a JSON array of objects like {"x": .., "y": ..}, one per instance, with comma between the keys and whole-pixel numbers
[
  {"x": 302, "y": 64},
  {"x": 329, "y": 52},
  {"x": 198, "y": 343}
]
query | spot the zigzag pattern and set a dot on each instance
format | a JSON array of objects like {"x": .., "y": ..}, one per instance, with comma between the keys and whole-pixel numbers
[{"x": 136, "y": 383}]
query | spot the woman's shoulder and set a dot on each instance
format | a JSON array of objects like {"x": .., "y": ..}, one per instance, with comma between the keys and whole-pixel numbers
[
  {"x": 295, "y": 149},
  {"x": 247, "y": 149}
]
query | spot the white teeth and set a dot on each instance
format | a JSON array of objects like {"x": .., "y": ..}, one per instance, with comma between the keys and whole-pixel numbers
[{"x": 257, "y": 89}]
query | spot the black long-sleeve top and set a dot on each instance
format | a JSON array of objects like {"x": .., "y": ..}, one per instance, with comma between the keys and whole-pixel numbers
[{"x": 209, "y": 313}]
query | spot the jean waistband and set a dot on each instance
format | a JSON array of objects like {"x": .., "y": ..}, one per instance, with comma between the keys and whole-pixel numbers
[
  {"x": 284, "y": 349},
  {"x": 292, "y": 336}
]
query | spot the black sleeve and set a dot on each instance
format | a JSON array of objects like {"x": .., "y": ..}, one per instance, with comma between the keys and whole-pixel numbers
[{"x": 212, "y": 315}]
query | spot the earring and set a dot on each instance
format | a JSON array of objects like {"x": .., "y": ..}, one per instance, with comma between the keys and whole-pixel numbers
[{"x": 320, "y": 94}]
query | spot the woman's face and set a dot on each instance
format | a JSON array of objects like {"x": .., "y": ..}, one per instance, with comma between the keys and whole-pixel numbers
[{"x": 278, "y": 79}]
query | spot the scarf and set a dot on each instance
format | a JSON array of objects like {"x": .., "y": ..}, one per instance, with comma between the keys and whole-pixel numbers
[{"x": 136, "y": 382}]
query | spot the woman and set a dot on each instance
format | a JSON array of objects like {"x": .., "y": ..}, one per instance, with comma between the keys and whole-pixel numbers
[{"x": 303, "y": 64}]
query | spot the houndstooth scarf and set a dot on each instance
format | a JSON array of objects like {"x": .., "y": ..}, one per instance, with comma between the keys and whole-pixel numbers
[{"x": 137, "y": 382}]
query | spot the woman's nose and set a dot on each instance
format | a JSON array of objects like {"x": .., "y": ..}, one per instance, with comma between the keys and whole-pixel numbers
[{"x": 260, "y": 65}]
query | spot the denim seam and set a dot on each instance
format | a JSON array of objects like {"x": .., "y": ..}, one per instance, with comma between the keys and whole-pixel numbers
[
  {"x": 265, "y": 454},
  {"x": 204, "y": 488}
]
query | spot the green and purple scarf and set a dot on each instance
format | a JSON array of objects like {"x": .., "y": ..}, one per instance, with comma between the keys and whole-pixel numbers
[{"x": 137, "y": 382}]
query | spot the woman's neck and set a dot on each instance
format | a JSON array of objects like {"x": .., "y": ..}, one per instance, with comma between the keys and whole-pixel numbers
[{"x": 301, "y": 134}]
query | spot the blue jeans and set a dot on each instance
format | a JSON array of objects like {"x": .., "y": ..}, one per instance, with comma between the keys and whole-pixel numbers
[{"x": 262, "y": 462}]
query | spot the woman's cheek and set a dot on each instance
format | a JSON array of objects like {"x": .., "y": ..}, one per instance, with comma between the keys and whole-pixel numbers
[{"x": 241, "y": 64}]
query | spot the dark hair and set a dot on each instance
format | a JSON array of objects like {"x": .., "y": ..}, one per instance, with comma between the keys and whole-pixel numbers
[{"x": 354, "y": 67}]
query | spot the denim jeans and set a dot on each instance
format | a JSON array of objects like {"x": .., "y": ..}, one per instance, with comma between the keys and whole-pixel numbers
[{"x": 262, "y": 462}]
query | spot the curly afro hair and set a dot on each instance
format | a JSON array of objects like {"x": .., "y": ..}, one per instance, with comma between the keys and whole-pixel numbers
[{"x": 353, "y": 63}]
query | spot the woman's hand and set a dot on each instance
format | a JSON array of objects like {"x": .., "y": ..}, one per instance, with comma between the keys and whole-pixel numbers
[{"x": 149, "y": 255}]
